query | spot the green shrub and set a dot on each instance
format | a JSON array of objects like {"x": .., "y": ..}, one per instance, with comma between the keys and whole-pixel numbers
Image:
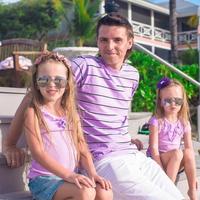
[
  {"x": 190, "y": 56},
  {"x": 151, "y": 71}
]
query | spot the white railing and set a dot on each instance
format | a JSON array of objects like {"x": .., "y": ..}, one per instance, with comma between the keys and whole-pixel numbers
[
  {"x": 187, "y": 37},
  {"x": 163, "y": 35},
  {"x": 142, "y": 29}
]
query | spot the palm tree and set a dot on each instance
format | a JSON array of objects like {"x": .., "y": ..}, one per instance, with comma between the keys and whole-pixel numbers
[
  {"x": 82, "y": 20},
  {"x": 193, "y": 21},
  {"x": 173, "y": 30}
]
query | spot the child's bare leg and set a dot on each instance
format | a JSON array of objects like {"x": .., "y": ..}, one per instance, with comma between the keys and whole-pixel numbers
[
  {"x": 102, "y": 194},
  {"x": 190, "y": 170},
  {"x": 71, "y": 191},
  {"x": 171, "y": 161}
]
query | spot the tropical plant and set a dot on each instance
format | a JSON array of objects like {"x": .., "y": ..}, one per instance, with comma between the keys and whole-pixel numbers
[
  {"x": 29, "y": 19},
  {"x": 82, "y": 20},
  {"x": 190, "y": 56}
]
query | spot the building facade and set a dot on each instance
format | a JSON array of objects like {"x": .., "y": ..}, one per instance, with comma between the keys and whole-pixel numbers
[{"x": 151, "y": 25}]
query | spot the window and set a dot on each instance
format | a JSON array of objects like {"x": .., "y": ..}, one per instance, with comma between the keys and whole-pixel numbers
[{"x": 141, "y": 15}]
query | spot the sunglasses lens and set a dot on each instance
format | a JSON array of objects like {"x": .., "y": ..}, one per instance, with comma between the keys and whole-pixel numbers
[
  {"x": 42, "y": 81},
  {"x": 167, "y": 102},
  {"x": 60, "y": 82},
  {"x": 178, "y": 101}
]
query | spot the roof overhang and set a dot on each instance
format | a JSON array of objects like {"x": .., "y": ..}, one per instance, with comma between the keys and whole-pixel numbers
[{"x": 146, "y": 4}]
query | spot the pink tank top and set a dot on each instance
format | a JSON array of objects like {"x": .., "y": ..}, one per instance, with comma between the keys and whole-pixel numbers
[{"x": 57, "y": 143}]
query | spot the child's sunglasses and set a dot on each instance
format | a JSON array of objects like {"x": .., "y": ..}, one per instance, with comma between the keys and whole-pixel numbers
[
  {"x": 59, "y": 81},
  {"x": 169, "y": 101}
]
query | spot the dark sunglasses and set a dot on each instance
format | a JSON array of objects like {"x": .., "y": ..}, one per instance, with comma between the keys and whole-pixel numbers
[
  {"x": 169, "y": 101},
  {"x": 59, "y": 81}
]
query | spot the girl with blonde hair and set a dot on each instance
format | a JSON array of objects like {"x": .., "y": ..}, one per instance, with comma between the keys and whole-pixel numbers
[
  {"x": 168, "y": 127},
  {"x": 55, "y": 139}
]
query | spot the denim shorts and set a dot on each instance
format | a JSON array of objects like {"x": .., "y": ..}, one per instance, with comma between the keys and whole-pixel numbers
[{"x": 44, "y": 187}]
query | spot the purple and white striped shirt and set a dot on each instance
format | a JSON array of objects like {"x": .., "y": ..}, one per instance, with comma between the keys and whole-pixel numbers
[{"x": 104, "y": 96}]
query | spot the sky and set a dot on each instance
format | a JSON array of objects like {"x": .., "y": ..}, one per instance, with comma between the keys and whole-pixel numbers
[
  {"x": 197, "y": 2},
  {"x": 8, "y": 1}
]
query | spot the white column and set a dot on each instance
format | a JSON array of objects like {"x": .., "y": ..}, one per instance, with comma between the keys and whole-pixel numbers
[
  {"x": 153, "y": 49},
  {"x": 129, "y": 12},
  {"x": 101, "y": 7},
  {"x": 198, "y": 46},
  {"x": 152, "y": 29}
]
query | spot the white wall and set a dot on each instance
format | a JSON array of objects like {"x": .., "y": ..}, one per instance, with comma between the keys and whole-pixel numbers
[{"x": 10, "y": 99}]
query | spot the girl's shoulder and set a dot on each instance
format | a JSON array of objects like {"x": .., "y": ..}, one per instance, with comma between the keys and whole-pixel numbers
[
  {"x": 30, "y": 111},
  {"x": 154, "y": 120},
  {"x": 29, "y": 115},
  {"x": 186, "y": 126}
]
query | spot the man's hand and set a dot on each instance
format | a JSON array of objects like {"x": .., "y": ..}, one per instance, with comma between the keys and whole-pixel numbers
[
  {"x": 15, "y": 156},
  {"x": 138, "y": 143}
]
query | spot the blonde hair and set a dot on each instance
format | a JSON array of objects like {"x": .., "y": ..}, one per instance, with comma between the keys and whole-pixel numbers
[
  {"x": 68, "y": 102},
  {"x": 183, "y": 114}
]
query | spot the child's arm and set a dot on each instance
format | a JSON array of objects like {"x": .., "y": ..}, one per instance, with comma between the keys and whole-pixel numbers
[
  {"x": 87, "y": 163},
  {"x": 153, "y": 144},
  {"x": 189, "y": 163},
  {"x": 15, "y": 156},
  {"x": 38, "y": 152}
]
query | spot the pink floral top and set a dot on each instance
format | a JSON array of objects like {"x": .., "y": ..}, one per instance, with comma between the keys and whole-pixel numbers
[{"x": 169, "y": 133}]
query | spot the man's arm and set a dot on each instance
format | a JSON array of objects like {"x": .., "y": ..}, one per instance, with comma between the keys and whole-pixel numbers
[
  {"x": 15, "y": 156},
  {"x": 138, "y": 143}
]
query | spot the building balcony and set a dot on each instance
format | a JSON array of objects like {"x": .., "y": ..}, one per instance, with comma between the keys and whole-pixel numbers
[{"x": 154, "y": 36}]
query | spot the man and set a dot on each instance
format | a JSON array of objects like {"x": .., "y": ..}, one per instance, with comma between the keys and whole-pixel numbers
[{"x": 105, "y": 87}]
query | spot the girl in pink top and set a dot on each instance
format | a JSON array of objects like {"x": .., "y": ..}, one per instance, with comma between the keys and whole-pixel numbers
[
  {"x": 168, "y": 127},
  {"x": 55, "y": 138}
]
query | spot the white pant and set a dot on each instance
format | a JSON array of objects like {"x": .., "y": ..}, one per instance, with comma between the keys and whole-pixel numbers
[{"x": 136, "y": 177}]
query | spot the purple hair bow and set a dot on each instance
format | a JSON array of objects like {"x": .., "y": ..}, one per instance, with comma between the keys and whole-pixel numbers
[{"x": 163, "y": 83}]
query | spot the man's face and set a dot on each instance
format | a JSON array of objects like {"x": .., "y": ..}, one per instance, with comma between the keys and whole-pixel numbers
[{"x": 113, "y": 43}]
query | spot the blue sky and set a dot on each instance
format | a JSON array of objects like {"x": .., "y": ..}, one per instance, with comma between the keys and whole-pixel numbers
[{"x": 197, "y": 2}]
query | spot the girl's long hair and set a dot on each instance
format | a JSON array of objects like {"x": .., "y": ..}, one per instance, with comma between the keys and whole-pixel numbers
[
  {"x": 68, "y": 101},
  {"x": 183, "y": 114}
]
